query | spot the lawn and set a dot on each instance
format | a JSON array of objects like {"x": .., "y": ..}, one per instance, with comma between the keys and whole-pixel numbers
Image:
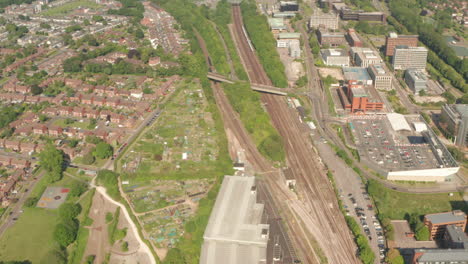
[
  {"x": 31, "y": 237},
  {"x": 68, "y": 7},
  {"x": 395, "y": 205},
  {"x": 63, "y": 123}
]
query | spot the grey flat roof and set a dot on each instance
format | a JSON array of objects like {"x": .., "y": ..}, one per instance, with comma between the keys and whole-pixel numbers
[
  {"x": 443, "y": 255},
  {"x": 462, "y": 109},
  {"x": 457, "y": 234},
  {"x": 356, "y": 73},
  {"x": 234, "y": 231},
  {"x": 446, "y": 217}
]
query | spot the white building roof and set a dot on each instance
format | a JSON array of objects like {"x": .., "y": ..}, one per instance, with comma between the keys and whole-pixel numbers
[
  {"x": 398, "y": 122},
  {"x": 419, "y": 126},
  {"x": 234, "y": 234}
]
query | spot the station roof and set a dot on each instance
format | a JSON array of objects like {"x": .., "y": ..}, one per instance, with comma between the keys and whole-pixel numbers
[
  {"x": 234, "y": 231},
  {"x": 398, "y": 122}
]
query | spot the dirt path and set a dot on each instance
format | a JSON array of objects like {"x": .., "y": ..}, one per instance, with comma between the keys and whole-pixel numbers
[{"x": 143, "y": 248}]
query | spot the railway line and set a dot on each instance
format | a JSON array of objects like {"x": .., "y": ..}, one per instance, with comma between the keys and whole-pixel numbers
[{"x": 317, "y": 203}]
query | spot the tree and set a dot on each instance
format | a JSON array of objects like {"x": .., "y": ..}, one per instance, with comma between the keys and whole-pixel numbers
[
  {"x": 36, "y": 89},
  {"x": 422, "y": 234},
  {"x": 103, "y": 150},
  {"x": 77, "y": 189},
  {"x": 139, "y": 34},
  {"x": 31, "y": 202},
  {"x": 394, "y": 257},
  {"x": 51, "y": 159},
  {"x": 65, "y": 234},
  {"x": 88, "y": 158},
  {"x": 68, "y": 211}
]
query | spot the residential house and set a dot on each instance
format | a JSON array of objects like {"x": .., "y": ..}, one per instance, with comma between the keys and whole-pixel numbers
[{"x": 40, "y": 129}]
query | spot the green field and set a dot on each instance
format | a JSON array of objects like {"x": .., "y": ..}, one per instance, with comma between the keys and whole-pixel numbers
[
  {"x": 31, "y": 236},
  {"x": 395, "y": 205},
  {"x": 68, "y": 7}
]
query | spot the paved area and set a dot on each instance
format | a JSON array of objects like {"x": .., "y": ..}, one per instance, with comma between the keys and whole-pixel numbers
[
  {"x": 354, "y": 197},
  {"x": 53, "y": 197}
]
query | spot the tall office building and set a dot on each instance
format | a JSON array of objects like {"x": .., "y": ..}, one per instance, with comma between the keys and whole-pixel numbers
[
  {"x": 409, "y": 58},
  {"x": 381, "y": 78},
  {"x": 454, "y": 119}
]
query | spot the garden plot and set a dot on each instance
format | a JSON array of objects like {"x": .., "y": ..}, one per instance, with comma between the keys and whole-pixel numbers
[
  {"x": 182, "y": 144},
  {"x": 160, "y": 194}
]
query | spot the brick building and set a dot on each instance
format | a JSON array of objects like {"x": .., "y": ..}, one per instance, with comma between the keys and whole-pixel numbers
[
  {"x": 394, "y": 40},
  {"x": 437, "y": 223}
]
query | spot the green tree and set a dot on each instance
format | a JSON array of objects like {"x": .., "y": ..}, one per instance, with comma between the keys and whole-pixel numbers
[
  {"x": 422, "y": 234},
  {"x": 56, "y": 256},
  {"x": 68, "y": 211},
  {"x": 77, "y": 189},
  {"x": 51, "y": 159},
  {"x": 103, "y": 150},
  {"x": 31, "y": 202},
  {"x": 88, "y": 158},
  {"x": 36, "y": 89},
  {"x": 394, "y": 257},
  {"x": 65, "y": 234}
]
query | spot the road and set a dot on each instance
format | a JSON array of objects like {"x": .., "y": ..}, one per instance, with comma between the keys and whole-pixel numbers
[
  {"x": 317, "y": 204},
  {"x": 15, "y": 211}
]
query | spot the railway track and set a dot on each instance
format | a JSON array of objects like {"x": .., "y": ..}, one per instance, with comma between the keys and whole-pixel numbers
[{"x": 319, "y": 210}]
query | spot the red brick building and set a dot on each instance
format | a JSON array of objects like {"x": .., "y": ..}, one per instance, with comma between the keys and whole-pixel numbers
[
  {"x": 357, "y": 99},
  {"x": 437, "y": 223},
  {"x": 394, "y": 40}
]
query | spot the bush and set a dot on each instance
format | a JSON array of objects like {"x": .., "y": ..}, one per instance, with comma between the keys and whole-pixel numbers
[
  {"x": 69, "y": 211},
  {"x": 77, "y": 189},
  {"x": 108, "y": 179},
  {"x": 31, "y": 202},
  {"x": 65, "y": 233},
  {"x": 88, "y": 158}
]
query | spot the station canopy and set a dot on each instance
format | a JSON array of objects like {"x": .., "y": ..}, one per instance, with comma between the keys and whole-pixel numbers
[{"x": 398, "y": 122}]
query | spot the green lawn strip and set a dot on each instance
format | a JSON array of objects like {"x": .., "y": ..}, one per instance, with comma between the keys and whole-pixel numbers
[
  {"x": 257, "y": 122},
  {"x": 395, "y": 205},
  {"x": 31, "y": 237}
]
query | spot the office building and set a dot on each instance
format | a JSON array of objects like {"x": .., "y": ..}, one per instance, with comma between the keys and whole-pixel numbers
[
  {"x": 365, "y": 57},
  {"x": 331, "y": 39},
  {"x": 437, "y": 223},
  {"x": 454, "y": 120},
  {"x": 235, "y": 234},
  {"x": 416, "y": 80},
  {"x": 358, "y": 99},
  {"x": 347, "y": 13},
  {"x": 335, "y": 57},
  {"x": 328, "y": 21},
  {"x": 409, "y": 58},
  {"x": 353, "y": 38},
  {"x": 393, "y": 40},
  {"x": 382, "y": 79},
  {"x": 440, "y": 256},
  {"x": 289, "y": 6},
  {"x": 455, "y": 237}
]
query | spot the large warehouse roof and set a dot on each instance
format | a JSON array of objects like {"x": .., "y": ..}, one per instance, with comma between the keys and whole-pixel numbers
[
  {"x": 398, "y": 122},
  {"x": 234, "y": 234}
]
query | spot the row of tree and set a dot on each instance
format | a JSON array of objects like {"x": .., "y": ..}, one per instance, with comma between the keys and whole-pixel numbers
[
  {"x": 265, "y": 44},
  {"x": 366, "y": 254}
]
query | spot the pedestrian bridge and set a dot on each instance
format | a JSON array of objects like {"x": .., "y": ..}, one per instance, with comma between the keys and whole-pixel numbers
[{"x": 256, "y": 87}]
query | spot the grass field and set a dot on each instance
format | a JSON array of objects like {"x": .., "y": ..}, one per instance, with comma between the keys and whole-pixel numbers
[
  {"x": 31, "y": 236},
  {"x": 395, "y": 205},
  {"x": 68, "y": 7}
]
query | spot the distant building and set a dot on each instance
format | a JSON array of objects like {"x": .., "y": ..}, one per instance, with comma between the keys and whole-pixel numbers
[
  {"x": 347, "y": 13},
  {"x": 335, "y": 57},
  {"x": 329, "y": 21},
  {"x": 416, "y": 80},
  {"x": 285, "y": 39},
  {"x": 455, "y": 237},
  {"x": 331, "y": 39},
  {"x": 454, "y": 119},
  {"x": 357, "y": 99},
  {"x": 409, "y": 58},
  {"x": 394, "y": 40},
  {"x": 439, "y": 256},
  {"x": 358, "y": 74},
  {"x": 289, "y": 6},
  {"x": 353, "y": 38},
  {"x": 382, "y": 79},
  {"x": 437, "y": 223},
  {"x": 234, "y": 233}
]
